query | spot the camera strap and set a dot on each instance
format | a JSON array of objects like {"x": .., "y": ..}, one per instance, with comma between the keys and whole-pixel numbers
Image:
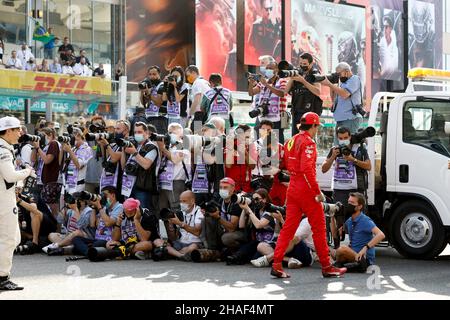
[{"x": 188, "y": 176}]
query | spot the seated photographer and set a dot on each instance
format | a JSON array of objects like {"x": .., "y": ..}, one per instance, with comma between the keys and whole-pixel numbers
[
  {"x": 189, "y": 229},
  {"x": 217, "y": 102},
  {"x": 79, "y": 157},
  {"x": 364, "y": 236},
  {"x": 175, "y": 95},
  {"x": 112, "y": 154},
  {"x": 137, "y": 223},
  {"x": 175, "y": 169},
  {"x": 80, "y": 222},
  {"x": 36, "y": 223},
  {"x": 350, "y": 171},
  {"x": 271, "y": 91},
  {"x": 347, "y": 107},
  {"x": 139, "y": 164},
  {"x": 106, "y": 218},
  {"x": 238, "y": 162},
  {"x": 222, "y": 220},
  {"x": 259, "y": 225}
]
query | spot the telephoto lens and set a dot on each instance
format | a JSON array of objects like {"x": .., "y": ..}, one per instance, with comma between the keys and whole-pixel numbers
[
  {"x": 29, "y": 138},
  {"x": 240, "y": 199}
]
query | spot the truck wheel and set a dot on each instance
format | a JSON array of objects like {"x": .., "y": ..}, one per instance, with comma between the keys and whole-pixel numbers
[{"x": 416, "y": 231}]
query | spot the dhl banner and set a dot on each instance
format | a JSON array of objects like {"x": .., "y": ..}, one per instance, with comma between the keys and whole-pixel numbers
[{"x": 53, "y": 83}]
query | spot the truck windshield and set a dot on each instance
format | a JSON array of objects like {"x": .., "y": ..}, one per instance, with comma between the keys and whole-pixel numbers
[{"x": 424, "y": 125}]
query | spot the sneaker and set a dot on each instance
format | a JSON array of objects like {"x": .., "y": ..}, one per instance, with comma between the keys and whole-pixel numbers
[
  {"x": 277, "y": 271},
  {"x": 55, "y": 252},
  {"x": 140, "y": 255},
  {"x": 314, "y": 257},
  {"x": 294, "y": 263},
  {"x": 231, "y": 260},
  {"x": 261, "y": 262},
  {"x": 8, "y": 285},
  {"x": 50, "y": 246},
  {"x": 333, "y": 272}
]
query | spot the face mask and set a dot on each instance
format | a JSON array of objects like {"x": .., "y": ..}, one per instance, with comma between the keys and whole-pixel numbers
[
  {"x": 262, "y": 70},
  {"x": 108, "y": 203},
  {"x": 224, "y": 194},
  {"x": 304, "y": 68},
  {"x": 184, "y": 207},
  {"x": 343, "y": 79},
  {"x": 46, "y": 141},
  {"x": 258, "y": 205},
  {"x": 139, "y": 138},
  {"x": 350, "y": 209},
  {"x": 178, "y": 79},
  {"x": 344, "y": 143},
  {"x": 269, "y": 74},
  {"x": 173, "y": 138}
]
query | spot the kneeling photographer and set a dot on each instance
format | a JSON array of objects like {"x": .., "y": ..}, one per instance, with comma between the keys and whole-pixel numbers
[
  {"x": 351, "y": 165},
  {"x": 139, "y": 163},
  {"x": 259, "y": 222},
  {"x": 79, "y": 156},
  {"x": 305, "y": 91},
  {"x": 108, "y": 209},
  {"x": 136, "y": 229},
  {"x": 189, "y": 228}
]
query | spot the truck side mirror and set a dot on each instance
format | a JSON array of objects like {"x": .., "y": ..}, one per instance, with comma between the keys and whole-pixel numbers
[{"x": 447, "y": 128}]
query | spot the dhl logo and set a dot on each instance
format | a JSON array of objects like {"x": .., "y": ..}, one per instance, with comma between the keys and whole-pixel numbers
[{"x": 62, "y": 85}]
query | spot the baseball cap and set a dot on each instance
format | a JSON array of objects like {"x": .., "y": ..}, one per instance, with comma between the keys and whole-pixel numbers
[
  {"x": 229, "y": 181},
  {"x": 310, "y": 118},
  {"x": 9, "y": 123},
  {"x": 131, "y": 204}
]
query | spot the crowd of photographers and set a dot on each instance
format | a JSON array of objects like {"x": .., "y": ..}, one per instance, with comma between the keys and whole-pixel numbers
[{"x": 181, "y": 180}]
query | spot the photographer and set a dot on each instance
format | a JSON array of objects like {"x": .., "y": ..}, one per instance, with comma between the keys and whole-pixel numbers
[
  {"x": 217, "y": 102},
  {"x": 364, "y": 236},
  {"x": 136, "y": 222},
  {"x": 78, "y": 159},
  {"x": 80, "y": 222},
  {"x": 175, "y": 169},
  {"x": 238, "y": 162},
  {"x": 189, "y": 229},
  {"x": 112, "y": 170},
  {"x": 350, "y": 171},
  {"x": 305, "y": 91},
  {"x": 221, "y": 225},
  {"x": 151, "y": 98},
  {"x": 36, "y": 224},
  {"x": 199, "y": 87},
  {"x": 259, "y": 225},
  {"x": 175, "y": 95},
  {"x": 27, "y": 157},
  {"x": 106, "y": 219},
  {"x": 347, "y": 107},
  {"x": 94, "y": 165},
  {"x": 139, "y": 164},
  {"x": 49, "y": 167},
  {"x": 271, "y": 91}
]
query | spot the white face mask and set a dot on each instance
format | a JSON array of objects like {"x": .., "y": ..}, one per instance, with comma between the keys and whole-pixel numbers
[
  {"x": 224, "y": 194},
  {"x": 184, "y": 207},
  {"x": 344, "y": 142},
  {"x": 269, "y": 74}
]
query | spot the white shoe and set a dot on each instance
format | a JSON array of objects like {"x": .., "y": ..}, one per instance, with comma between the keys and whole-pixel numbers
[
  {"x": 50, "y": 246},
  {"x": 261, "y": 262},
  {"x": 314, "y": 257},
  {"x": 294, "y": 263}
]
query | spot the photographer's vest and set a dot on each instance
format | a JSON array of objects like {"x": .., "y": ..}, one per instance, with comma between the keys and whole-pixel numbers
[
  {"x": 166, "y": 174},
  {"x": 153, "y": 110},
  {"x": 304, "y": 100},
  {"x": 346, "y": 173},
  {"x": 74, "y": 182},
  {"x": 273, "y": 101},
  {"x": 200, "y": 182},
  {"x": 145, "y": 180},
  {"x": 218, "y": 103},
  {"x": 109, "y": 179}
]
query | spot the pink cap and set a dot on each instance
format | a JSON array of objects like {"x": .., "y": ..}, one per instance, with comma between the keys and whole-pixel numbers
[
  {"x": 229, "y": 181},
  {"x": 131, "y": 204}
]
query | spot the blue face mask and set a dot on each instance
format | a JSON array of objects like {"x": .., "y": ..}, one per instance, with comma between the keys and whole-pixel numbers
[
  {"x": 344, "y": 143},
  {"x": 139, "y": 138},
  {"x": 173, "y": 138},
  {"x": 108, "y": 203},
  {"x": 269, "y": 74}
]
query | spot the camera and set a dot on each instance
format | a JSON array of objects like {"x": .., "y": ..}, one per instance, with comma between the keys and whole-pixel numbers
[
  {"x": 362, "y": 135},
  {"x": 344, "y": 150},
  {"x": 262, "y": 110},
  {"x": 167, "y": 214},
  {"x": 333, "y": 78},
  {"x": 132, "y": 168},
  {"x": 333, "y": 209},
  {"x": 30, "y": 138},
  {"x": 98, "y": 136},
  {"x": 273, "y": 208},
  {"x": 96, "y": 128},
  {"x": 240, "y": 199},
  {"x": 123, "y": 143},
  {"x": 210, "y": 207},
  {"x": 109, "y": 166},
  {"x": 284, "y": 177},
  {"x": 254, "y": 76},
  {"x": 144, "y": 84},
  {"x": 260, "y": 182},
  {"x": 87, "y": 196},
  {"x": 160, "y": 137},
  {"x": 67, "y": 139}
]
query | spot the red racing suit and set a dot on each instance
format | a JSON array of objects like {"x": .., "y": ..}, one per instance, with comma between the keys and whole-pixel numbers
[{"x": 300, "y": 156}]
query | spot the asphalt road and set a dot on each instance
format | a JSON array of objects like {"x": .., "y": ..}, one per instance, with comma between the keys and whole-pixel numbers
[{"x": 394, "y": 278}]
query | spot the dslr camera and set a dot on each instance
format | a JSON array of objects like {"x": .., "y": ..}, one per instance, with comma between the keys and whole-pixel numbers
[
  {"x": 271, "y": 208},
  {"x": 124, "y": 143},
  {"x": 96, "y": 128},
  {"x": 167, "y": 214},
  {"x": 240, "y": 199},
  {"x": 344, "y": 150},
  {"x": 262, "y": 110},
  {"x": 210, "y": 207},
  {"x": 132, "y": 169},
  {"x": 254, "y": 76},
  {"x": 260, "y": 182},
  {"x": 145, "y": 84},
  {"x": 98, "y": 136}
]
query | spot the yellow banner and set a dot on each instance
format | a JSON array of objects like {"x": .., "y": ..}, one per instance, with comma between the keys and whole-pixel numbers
[{"x": 54, "y": 83}]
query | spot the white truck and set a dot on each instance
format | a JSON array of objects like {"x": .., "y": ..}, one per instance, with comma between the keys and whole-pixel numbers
[{"x": 409, "y": 185}]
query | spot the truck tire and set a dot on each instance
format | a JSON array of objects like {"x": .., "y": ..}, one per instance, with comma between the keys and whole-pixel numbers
[{"x": 416, "y": 231}]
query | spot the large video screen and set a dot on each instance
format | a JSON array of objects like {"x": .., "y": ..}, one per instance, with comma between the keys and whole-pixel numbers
[
  {"x": 332, "y": 33},
  {"x": 425, "y": 34},
  {"x": 215, "y": 39},
  {"x": 262, "y": 30}
]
